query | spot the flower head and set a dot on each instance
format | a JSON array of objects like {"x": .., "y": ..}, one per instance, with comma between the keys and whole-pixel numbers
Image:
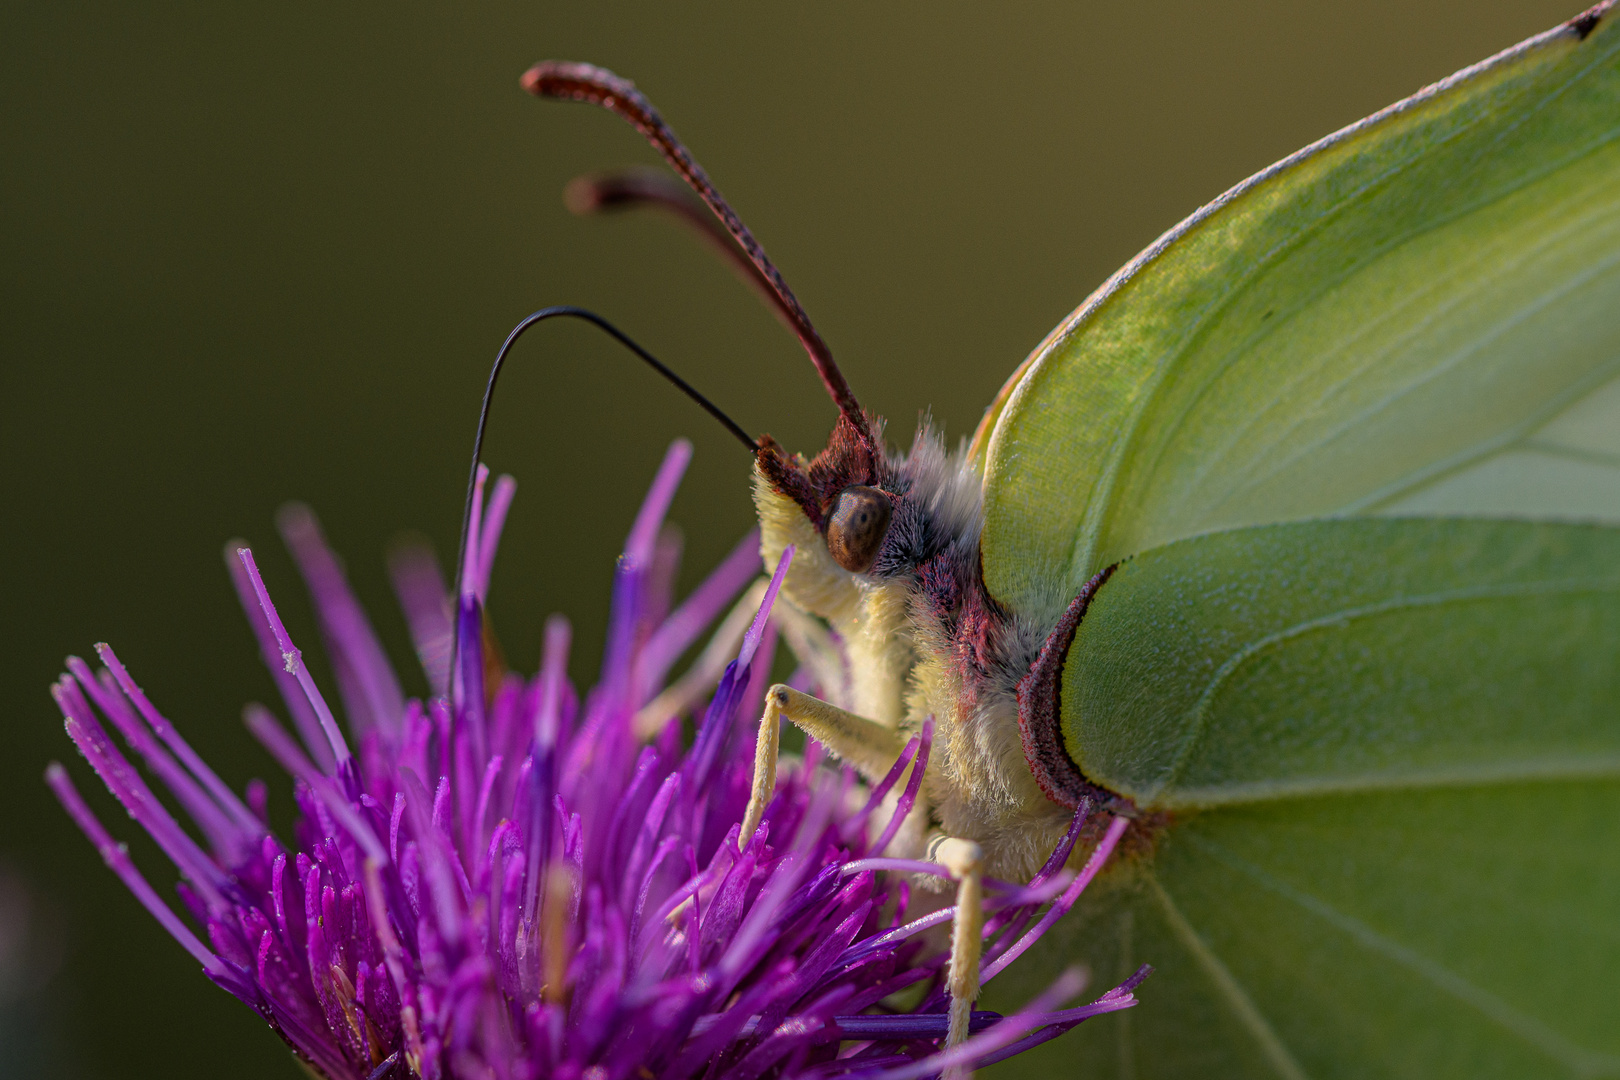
[{"x": 510, "y": 881}]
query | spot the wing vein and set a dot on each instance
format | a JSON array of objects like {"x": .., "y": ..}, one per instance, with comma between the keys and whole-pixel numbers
[
  {"x": 1197, "y": 718},
  {"x": 1458, "y": 212},
  {"x": 1549, "y": 769},
  {"x": 1573, "y": 453},
  {"x": 1434, "y": 371},
  {"x": 1369, "y": 188},
  {"x": 1280, "y": 389},
  {"x": 1090, "y": 536},
  {"x": 1578, "y": 1059},
  {"x": 1231, "y": 991},
  {"x": 1481, "y": 451}
]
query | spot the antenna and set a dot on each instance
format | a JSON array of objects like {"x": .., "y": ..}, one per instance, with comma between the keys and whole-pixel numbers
[
  {"x": 627, "y": 189},
  {"x": 562, "y": 311},
  {"x": 570, "y": 81}
]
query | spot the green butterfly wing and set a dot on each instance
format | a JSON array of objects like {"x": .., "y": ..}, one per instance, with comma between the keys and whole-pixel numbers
[
  {"x": 1418, "y": 314},
  {"x": 1301, "y": 660},
  {"x": 1387, "y": 752},
  {"x": 1376, "y": 700}
]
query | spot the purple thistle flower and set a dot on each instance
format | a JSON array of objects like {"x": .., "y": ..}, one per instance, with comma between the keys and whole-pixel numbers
[{"x": 509, "y": 881}]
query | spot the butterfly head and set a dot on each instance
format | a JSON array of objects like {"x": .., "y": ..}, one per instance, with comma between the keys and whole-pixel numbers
[
  {"x": 836, "y": 509},
  {"x": 862, "y": 518}
]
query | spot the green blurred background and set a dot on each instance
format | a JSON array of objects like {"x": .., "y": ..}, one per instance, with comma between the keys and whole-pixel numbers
[{"x": 261, "y": 253}]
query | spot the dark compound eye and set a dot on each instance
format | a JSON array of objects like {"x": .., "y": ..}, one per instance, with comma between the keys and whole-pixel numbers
[{"x": 860, "y": 518}]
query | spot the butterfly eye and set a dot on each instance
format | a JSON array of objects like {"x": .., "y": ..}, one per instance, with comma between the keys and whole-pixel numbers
[{"x": 855, "y": 531}]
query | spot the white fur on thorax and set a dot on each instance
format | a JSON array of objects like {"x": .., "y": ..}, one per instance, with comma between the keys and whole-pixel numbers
[{"x": 978, "y": 785}]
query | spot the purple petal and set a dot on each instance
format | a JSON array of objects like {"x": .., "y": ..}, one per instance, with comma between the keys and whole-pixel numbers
[
  {"x": 1105, "y": 847},
  {"x": 495, "y": 520},
  {"x": 293, "y": 660},
  {"x": 908, "y": 798},
  {"x": 304, "y": 718},
  {"x": 371, "y": 693},
  {"x": 426, "y": 602},
  {"x": 707, "y": 602},
  {"x": 116, "y": 857},
  {"x": 638, "y": 546}
]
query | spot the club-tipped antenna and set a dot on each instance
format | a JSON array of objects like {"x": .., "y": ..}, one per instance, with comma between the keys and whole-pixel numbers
[
  {"x": 562, "y": 311},
  {"x": 569, "y": 81}
]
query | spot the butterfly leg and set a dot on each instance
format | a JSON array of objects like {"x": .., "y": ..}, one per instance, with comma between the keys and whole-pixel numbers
[
  {"x": 963, "y": 859},
  {"x": 869, "y": 747}
]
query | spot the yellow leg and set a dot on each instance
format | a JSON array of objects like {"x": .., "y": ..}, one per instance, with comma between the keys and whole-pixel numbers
[
  {"x": 962, "y": 858},
  {"x": 869, "y": 747},
  {"x": 766, "y": 748},
  {"x": 872, "y": 749}
]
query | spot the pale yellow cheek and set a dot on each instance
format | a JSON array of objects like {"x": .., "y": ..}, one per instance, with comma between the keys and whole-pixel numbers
[{"x": 814, "y": 582}]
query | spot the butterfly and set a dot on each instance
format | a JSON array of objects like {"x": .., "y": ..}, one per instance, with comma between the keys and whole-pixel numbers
[{"x": 1296, "y": 548}]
